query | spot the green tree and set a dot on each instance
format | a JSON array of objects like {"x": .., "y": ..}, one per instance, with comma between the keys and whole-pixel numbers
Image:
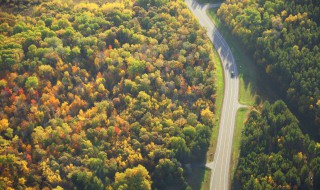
[
  {"x": 168, "y": 173},
  {"x": 32, "y": 82},
  {"x": 136, "y": 67},
  {"x": 179, "y": 147},
  {"x": 86, "y": 180}
]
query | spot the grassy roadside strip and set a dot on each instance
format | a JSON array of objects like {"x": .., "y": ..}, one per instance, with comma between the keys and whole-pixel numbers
[
  {"x": 242, "y": 114},
  {"x": 220, "y": 90}
]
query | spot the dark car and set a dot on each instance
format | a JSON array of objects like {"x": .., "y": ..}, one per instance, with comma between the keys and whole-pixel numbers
[{"x": 232, "y": 74}]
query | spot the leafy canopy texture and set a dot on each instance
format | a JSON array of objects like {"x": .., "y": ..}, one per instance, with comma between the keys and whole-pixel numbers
[
  {"x": 135, "y": 178},
  {"x": 275, "y": 154},
  {"x": 284, "y": 37},
  {"x": 105, "y": 95}
]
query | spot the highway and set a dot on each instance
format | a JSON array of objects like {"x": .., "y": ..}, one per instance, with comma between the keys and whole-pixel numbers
[{"x": 220, "y": 167}]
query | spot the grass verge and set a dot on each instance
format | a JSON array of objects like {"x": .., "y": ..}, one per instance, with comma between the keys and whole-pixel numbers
[
  {"x": 199, "y": 178},
  {"x": 220, "y": 90},
  {"x": 242, "y": 115},
  {"x": 206, "y": 180}
]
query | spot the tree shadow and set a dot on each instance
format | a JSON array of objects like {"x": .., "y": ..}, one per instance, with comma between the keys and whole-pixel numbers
[{"x": 196, "y": 174}]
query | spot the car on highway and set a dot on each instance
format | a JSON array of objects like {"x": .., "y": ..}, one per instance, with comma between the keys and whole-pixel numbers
[{"x": 232, "y": 74}]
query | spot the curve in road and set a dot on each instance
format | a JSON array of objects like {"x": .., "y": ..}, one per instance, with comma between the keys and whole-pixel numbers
[{"x": 221, "y": 165}]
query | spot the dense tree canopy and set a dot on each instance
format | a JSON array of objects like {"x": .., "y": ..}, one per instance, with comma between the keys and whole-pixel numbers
[
  {"x": 111, "y": 95},
  {"x": 285, "y": 38},
  {"x": 19, "y": 5},
  {"x": 275, "y": 154}
]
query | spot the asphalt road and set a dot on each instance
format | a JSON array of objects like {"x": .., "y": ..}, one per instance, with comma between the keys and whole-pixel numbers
[{"x": 220, "y": 167}]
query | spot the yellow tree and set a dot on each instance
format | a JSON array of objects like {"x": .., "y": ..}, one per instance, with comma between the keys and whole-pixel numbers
[
  {"x": 4, "y": 123},
  {"x": 207, "y": 117},
  {"x": 131, "y": 179}
]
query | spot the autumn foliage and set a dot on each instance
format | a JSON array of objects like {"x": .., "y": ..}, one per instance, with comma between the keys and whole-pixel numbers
[{"x": 94, "y": 94}]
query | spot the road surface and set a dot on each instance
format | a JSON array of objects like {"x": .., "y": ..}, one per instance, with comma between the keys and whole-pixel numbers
[{"x": 220, "y": 166}]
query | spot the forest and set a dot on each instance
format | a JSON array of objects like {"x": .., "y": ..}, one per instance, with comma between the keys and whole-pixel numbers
[
  {"x": 284, "y": 37},
  {"x": 103, "y": 95},
  {"x": 275, "y": 154}
]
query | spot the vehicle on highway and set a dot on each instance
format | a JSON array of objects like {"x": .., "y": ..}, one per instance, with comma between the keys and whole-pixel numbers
[{"x": 232, "y": 74}]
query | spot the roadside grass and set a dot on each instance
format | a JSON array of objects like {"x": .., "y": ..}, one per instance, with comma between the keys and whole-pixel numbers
[
  {"x": 206, "y": 182},
  {"x": 255, "y": 86},
  {"x": 242, "y": 115},
  {"x": 199, "y": 177},
  {"x": 220, "y": 89}
]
